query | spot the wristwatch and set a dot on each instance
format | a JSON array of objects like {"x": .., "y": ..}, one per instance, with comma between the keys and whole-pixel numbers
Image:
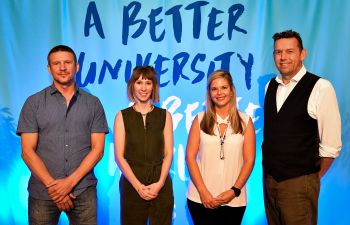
[{"x": 236, "y": 190}]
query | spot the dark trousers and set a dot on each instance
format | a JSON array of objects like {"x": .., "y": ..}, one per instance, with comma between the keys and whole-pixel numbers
[
  {"x": 293, "y": 201},
  {"x": 45, "y": 212},
  {"x": 223, "y": 215}
]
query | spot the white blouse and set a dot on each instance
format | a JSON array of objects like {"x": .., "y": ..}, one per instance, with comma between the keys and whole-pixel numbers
[{"x": 220, "y": 175}]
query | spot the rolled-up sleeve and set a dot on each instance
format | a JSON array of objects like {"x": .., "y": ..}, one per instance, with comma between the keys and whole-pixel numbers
[{"x": 329, "y": 122}]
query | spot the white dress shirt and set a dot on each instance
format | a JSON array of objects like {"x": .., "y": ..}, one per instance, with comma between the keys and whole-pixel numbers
[{"x": 322, "y": 106}]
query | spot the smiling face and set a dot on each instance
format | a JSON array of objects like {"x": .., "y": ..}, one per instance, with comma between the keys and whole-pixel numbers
[
  {"x": 288, "y": 57},
  {"x": 220, "y": 92},
  {"x": 62, "y": 67},
  {"x": 143, "y": 89}
]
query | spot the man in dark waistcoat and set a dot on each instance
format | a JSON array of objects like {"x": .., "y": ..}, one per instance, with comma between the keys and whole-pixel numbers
[
  {"x": 62, "y": 132},
  {"x": 302, "y": 135}
]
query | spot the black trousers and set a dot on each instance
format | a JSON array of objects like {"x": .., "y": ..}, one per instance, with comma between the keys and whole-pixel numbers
[
  {"x": 224, "y": 215},
  {"x": 137, "y": 211}
]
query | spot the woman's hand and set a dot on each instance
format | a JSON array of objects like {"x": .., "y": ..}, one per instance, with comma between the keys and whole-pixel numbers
[
  {"x": 208, "y": 200},
  {"x": 225, "y": 197},
  {"x": 145, "y": 193},
  {"x": 155, "y": 188}
]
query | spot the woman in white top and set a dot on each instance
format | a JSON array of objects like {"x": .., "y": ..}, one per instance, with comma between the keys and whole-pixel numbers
[{"x": 220, "y": 156}]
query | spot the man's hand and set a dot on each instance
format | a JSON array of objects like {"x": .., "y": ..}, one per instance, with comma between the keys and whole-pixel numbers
[
  {"x": 66, "y": 204},
  {"x": 59, "y": 189}
]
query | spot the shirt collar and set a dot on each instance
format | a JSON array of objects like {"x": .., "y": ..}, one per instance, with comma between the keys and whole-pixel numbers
[
  {"x": 54, "y": 90},
  {"x": 220, "y": 120},
  {"x": 296, "y": 78}
]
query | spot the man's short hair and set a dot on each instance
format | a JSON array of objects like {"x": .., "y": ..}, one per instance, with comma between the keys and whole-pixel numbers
[
  {"x": 61, "y": 48},
  {"x": 289, "y": 34}
]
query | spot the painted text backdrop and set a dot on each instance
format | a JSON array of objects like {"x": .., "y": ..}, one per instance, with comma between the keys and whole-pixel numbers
[{"x": 185, "y": 41}]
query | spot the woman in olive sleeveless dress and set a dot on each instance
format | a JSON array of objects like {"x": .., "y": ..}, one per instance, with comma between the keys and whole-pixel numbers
[{"x": 143, "y": 148}]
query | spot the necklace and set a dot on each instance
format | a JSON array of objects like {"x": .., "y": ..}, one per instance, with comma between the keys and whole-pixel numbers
[
  {"x": 222, "y": 138},
  {"x": 143, "y": 114}
]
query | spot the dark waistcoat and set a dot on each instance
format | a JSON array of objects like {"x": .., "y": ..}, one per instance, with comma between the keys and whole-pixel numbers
[{"x": 291, "y": 142}]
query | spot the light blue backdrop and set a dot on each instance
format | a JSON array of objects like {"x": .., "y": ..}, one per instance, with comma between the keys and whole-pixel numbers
[{"x": 185, "y": 41}]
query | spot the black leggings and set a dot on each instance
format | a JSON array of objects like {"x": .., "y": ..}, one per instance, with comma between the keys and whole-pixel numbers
[{"x": 222, "y": 215}]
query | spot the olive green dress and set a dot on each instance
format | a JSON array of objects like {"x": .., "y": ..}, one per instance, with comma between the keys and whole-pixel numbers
[{"x": 144, "y": 151}]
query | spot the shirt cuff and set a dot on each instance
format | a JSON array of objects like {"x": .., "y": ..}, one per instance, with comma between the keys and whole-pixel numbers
[{"x": 329, "y": 152}]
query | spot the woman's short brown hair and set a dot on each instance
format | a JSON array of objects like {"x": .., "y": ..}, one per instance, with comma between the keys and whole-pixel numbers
[{"x": 147, "y": 73}]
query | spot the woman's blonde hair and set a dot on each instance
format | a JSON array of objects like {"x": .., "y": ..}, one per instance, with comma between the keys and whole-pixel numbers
[
  {"x": 209, "y": 118},
  {"x": 147, "y": 73}
]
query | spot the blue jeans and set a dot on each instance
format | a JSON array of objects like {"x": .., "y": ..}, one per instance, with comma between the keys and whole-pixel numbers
[{"x": 45, "y": 212}]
